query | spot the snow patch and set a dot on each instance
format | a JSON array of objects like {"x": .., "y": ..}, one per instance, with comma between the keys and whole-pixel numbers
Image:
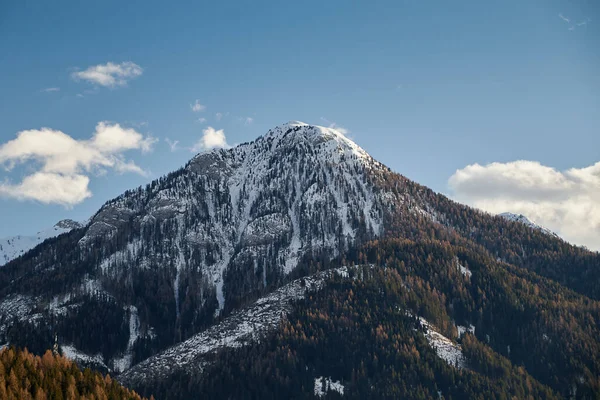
[
  {"x": 124, "y": 362},
  {"x": 463, "y": 270},
  {"x": 81, "y": 358},
  {"x": 445, "y": 348},
  {"x": 463, "y": 329},
  {"x": 17, "y": 305},
  {"x": 324, "y": 385}
]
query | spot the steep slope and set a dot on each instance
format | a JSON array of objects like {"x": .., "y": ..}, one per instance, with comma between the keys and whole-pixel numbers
[
  {"x": 520, "y": 218},
  {"x": 15, "y": 246},
  {"x": 241, "y": 328},
  {"x": 358, "y": 335}
]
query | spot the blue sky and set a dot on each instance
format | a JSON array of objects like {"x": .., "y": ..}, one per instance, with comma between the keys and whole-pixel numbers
[{"x": 427, "y": 87}]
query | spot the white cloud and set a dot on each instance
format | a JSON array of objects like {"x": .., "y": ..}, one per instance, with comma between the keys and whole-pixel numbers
[
  {"x": 109, "y": 74},
  {"x": 211, "y": 139},
  {"x": 113, "y": 138},
  {"x": 50, "y": 188},
  {"x": 567, "y": 20},
  {"x": 62, "y": 162},
  {"x": 202, "y": 120},
  {"x": 51, "y": 89},
  {"x": 335, "y": 126},
  {"x": 218, "y": 116},
  {"x": 197, "y": 107},
  {"x": 567, "y": 202}
]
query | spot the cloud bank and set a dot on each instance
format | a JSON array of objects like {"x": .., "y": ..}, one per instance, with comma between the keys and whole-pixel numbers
[
  {"x": 567, "y": 202},
  {"x": 64, "y": 163}
]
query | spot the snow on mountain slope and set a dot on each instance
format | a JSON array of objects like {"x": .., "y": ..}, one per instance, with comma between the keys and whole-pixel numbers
[
  {"x": 15, "y": 246},
  {"x": 240, "y": 328},
  {"x": 323, "y": 385},
  {"x": 82, "y": 359},
  {"x": 520, "y": 218},
  {"x": 297, "y": 190}
]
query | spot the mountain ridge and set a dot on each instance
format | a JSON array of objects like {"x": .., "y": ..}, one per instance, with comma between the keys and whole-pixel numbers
[
  {"x": 520, "y": 218},
  {"x": 12, "y": 247}
]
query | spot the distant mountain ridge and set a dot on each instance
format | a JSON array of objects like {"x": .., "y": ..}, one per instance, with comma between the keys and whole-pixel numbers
[{"x": 14, "y": 246}]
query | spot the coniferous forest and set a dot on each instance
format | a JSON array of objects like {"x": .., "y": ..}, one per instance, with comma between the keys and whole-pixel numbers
[
  {"x": 25, "y": 376},
  {"x": 532, "y": 338}
]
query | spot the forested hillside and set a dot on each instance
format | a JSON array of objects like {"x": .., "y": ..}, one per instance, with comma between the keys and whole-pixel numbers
[
  {"x": 26, "y": 376},
  {"x": 360, "y": 333}
]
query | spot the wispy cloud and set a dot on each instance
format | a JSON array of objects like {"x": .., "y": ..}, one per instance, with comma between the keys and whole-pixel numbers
[
  {"x": 63, "y": 163},
  {"x": 584, "y": 23},
  {"x": 109, "y": 74},
  {"x": 51, "y": 89},
  {"x": 335, "y": 126},
  {"x": 218, "y": 116},
  {"x": 197, "y": 107},
  {"x": 245, "y": 120},
  {"x": 574, "y": 25},
  {"x": 173, "y": 144},
  {"x": 202, "y": 120}
]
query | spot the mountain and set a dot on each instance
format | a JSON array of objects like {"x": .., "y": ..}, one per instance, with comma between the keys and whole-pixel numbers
[
  {"x": 170, "y": 258},
  {"x": 171, "y": 273},
  {"x": 15, "y": 246},
  {"x": 520, "y": 218}
]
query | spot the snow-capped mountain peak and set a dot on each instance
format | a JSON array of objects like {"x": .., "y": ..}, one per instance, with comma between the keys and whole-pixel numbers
[
  {"x": 298, "y": 189},
  {"x": 14, "y": 246},
  {"x": 294, "y": 131}
]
